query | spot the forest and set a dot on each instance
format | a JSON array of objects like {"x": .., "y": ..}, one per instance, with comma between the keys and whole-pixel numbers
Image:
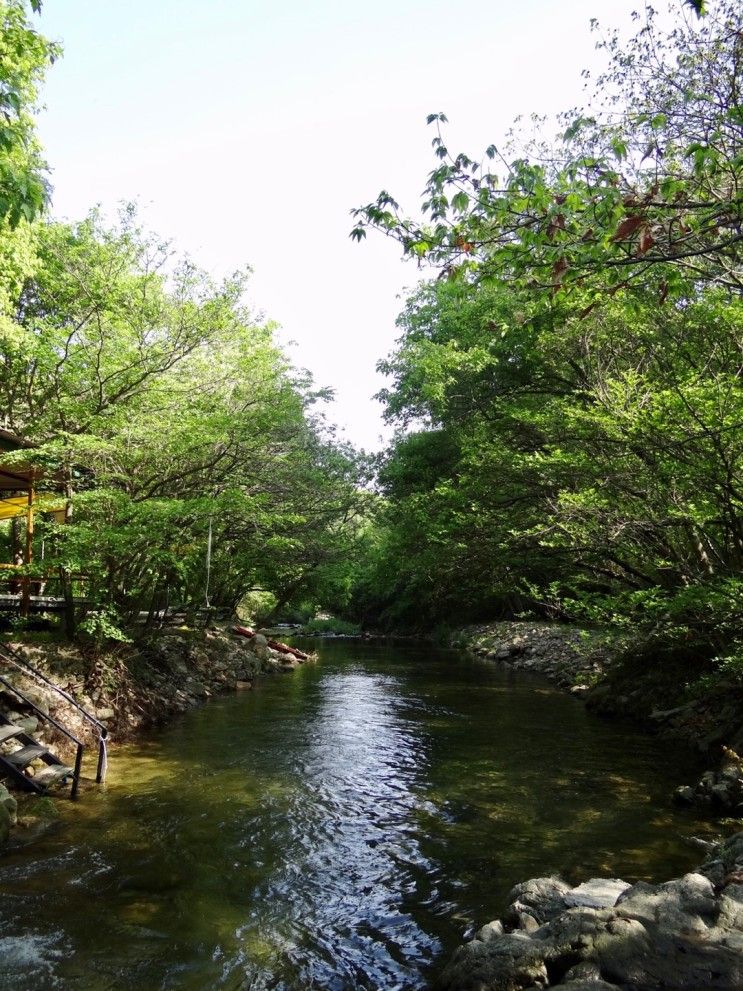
[
  {"x": 528, "y": 607},
  {"x": 565, "y": 389}
]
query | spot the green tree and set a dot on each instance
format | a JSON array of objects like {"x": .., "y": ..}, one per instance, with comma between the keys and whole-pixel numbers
[
  {"x": 24, "y": 58},
  {"x": 172, "y": 414}
]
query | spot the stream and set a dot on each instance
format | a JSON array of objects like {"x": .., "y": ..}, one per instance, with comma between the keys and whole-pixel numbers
[{"x": 339, "y": 828}]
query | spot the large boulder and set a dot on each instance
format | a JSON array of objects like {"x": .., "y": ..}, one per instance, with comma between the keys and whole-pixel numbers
[
  {"x": 686, "y": 934},
  {"x": 509, "y": 963},
  {"x": 541, "y": 897}
]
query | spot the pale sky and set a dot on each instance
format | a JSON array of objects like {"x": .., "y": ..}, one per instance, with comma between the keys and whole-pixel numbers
[{"x": 248, "y": 130}]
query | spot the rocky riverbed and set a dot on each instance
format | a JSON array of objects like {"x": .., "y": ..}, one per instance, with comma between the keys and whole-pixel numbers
[
  {"x": 608, "y": 935},
  {"x": 593, "y": 665}
]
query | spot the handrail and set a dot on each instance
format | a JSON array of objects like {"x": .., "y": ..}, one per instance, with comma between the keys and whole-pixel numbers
[
  {"x": 53, "y": 721},
  {"x": 19, "y": 662},
  {"x": 7, "y": 654},
  {"x": 40, "y": 712}
]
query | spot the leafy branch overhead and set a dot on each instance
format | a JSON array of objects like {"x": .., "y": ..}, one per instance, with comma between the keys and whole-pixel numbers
[
  {"x": 24, "y": 57},
  {"x": 648, "y": 175}
]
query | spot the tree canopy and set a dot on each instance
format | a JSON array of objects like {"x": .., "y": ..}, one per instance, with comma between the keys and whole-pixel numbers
[
  {"x": 567, "y": 384},
  {"x": 646, "y": 177},
  {"x": 178, "y": 424}
]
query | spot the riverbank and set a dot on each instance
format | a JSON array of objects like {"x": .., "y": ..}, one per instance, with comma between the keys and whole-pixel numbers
[
  {"x": 130, "y": 688},
  {"x": 614, "y": 679},
  {"x": 607, "y": 935}
]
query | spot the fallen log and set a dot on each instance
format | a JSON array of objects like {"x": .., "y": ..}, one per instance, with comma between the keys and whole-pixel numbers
[
  {"x": 286, "y": 649},
  {"x": 282, "y": 648}
]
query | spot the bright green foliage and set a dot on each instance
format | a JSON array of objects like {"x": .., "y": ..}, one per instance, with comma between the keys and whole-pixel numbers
[
  {"x": 580, "y": 466},
  {"x": 569, "y": 397},
  {"x": 24, "y": 57},
  {"x": 166, "y": 409},
  {"x": 647, "y": 176}
]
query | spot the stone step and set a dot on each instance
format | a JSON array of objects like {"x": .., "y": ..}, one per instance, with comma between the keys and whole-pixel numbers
[
  {"x": 8, "y": 731},
  {"x": 23, "y": 757},
  {"x": 53, "y": 774}
]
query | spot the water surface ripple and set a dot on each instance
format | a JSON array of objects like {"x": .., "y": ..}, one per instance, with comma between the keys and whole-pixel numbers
[{"x": 337, "y": 829}]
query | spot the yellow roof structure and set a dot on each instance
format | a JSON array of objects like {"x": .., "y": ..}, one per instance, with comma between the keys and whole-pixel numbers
[
  {"x": 14, "y": 476},
  {"x": 12, "y": 506}
]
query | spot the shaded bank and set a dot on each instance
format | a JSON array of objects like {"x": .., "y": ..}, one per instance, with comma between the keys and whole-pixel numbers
[
  {"x": 130, "y": 689},
  {"x": 619, "y": 678}
]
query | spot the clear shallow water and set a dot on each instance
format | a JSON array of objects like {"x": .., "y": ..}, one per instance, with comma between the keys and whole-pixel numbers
[{"x": 338, "y": 828}]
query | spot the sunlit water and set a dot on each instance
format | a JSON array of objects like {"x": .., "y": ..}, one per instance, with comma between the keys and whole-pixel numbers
[{"x": 339, "y": 828}]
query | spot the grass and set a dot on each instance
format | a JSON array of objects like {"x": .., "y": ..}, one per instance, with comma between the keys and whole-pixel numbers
[{"x": 332, "y": 625}]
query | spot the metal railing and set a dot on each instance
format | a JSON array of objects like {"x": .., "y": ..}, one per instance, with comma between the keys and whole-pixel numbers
[
  {"x": 10, "y": 656},
  {"x": 28, "y": 587}
]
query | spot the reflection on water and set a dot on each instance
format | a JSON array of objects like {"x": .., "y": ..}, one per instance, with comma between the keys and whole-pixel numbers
[{"x": 336, "y": 829}]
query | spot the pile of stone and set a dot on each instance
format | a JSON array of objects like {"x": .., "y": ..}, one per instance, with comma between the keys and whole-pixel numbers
[
  {"x": 276, "y": 657},
  {"x": 140, "y": 686},
  {"x": 721, "y": 791},
  {"x": 575, "y": 659},
  {"x": 607, "y": 935}
]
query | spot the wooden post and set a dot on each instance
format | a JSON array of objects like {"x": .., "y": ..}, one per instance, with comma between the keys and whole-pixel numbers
[
  {"x": 29, "y": 551},
  {"x": 64, "y": 574}
]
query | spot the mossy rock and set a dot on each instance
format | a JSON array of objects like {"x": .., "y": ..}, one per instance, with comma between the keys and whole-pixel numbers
[{"x": 41, "y": 808}]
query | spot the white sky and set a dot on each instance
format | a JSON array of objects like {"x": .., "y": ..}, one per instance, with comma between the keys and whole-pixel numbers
[{"x": 248, "y": 130}]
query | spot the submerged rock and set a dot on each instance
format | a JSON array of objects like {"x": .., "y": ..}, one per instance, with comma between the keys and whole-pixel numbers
[{"x": 604, "y": 934}]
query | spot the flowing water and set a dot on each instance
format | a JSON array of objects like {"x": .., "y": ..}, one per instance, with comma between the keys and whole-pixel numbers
[{"x": 339, "y": 828}]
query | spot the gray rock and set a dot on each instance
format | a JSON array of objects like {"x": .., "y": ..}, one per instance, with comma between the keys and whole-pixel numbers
[
  {"x": 542, "y": 897},
  {"x": 599, "y": 892},
  {"x": 587, "y": 984},
  {"x": 29, "y": 724},
  {"x": 586, "y": 970},
  {"x": 491, "y": 930},
  {"x": 8, "y": 802},
  {"x": 686, "y": 904},
  {"x": 508, "y": 963},
  {"x": 527, "y": 923},
  {"x": 570, "y": 937},
  {"x": 731, "y": 907},
  {"x": 686, "y": 934},
  {"x": 720, "y": 793}
]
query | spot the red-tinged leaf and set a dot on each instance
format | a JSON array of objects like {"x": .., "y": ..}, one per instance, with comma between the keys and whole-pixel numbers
[
  {"x": 560, "y": 198},
  {"x": 628, "y": 227},
  {"x": 589, "y": 235},
  {"x": 559, "y": 269},
  {"x": 557, "y": 223},
  {"x": 663, "y": 292},
  {"x": 646, "y": 241}
]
